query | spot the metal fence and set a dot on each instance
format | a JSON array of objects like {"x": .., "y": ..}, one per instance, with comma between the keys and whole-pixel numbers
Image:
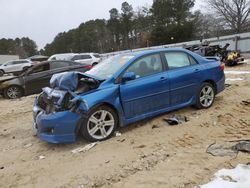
[{"x": 239, "y": 42}]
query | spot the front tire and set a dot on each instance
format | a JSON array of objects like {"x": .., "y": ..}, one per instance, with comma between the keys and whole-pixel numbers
[
  {"x": 13, "y": 92},
  {"x": 100, "y": 124},
  {"x": 205, "y": 96}
]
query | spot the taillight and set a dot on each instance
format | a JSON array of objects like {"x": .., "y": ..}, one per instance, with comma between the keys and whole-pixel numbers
[
  {"x": 88, "y": 67},
  {"x": 222, "y": 66}
]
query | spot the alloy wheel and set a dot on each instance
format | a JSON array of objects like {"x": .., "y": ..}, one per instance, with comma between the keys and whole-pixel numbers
[
  {"x": 100, "y": 124},
  {"x": 206, "y": 96},
  {"x": 13, "y": 92}
]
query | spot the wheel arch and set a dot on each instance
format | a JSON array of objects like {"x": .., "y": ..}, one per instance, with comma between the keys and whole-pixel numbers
[
  {"x": 78, "y": 127},
  {"x": 213, "y": 83},
  {"x": 110, "y": 106}
]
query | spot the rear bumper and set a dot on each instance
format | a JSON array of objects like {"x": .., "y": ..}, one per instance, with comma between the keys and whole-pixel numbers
[
  {"x": 220, "y": 85},
  {"x": 57, "y": 127}
]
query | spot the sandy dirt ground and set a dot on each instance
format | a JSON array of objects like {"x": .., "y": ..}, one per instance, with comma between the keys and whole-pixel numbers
[{"x": 165, "y": 156}]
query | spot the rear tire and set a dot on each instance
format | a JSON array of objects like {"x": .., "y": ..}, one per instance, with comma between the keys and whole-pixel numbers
[
  {"x": 94, "y": 64},
  {"x": 13, "y": 92},
  {"x": 1, "y": 72},
  {"x": 25, "y": 68},
  {"x": 100, "y": 124},
  {"x": 205, "y": 96}
]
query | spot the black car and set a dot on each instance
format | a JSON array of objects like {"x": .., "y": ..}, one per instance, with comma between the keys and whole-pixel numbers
[{"x": 32, "y": 80}]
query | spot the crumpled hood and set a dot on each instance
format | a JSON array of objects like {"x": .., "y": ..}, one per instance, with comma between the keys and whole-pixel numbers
[{"x": 68, "y": 81}]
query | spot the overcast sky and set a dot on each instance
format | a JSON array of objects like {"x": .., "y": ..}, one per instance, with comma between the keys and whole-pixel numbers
[{"x": 42, "y": 20}]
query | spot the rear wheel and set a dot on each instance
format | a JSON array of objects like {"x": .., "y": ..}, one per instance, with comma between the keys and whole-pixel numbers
[
  {"x": 25, "y": 68},
  {"x": 13, "y": 92},
  {"x": 206, "y": 96},
  {"x": 94, "y": 64},
  {"x": 1, "y": 72},
  {"x": 100, "y": 124}
]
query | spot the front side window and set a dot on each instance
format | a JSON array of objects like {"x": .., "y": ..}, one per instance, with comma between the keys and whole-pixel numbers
[
  {"x": 146, "y": 66},
  {"x": 37, "y": 69},
  {"x": 177, "y": 60},
  {"x": 9, "y": 63}
]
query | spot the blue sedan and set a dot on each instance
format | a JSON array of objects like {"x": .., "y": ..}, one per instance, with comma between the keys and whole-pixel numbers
[{"x": 124, "y": 89}]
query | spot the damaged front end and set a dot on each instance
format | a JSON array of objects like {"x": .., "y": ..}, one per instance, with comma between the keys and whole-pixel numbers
[{"x": 57, "y": 111}]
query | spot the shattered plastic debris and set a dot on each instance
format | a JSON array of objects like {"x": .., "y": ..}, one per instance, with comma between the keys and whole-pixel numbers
[
  {"x": 176, "y": 119},
  {"x": 84, "y": 149},
  {"x": 41, "y": 157},
  {"x": 243, "y": 146},
  {"x": 238, "y": 177},
  {"x": 246, "y": 102},
  {"x": 229, "y": 148},
  {"x": 118, "y": 134},
  {"x": 27, "y": 145},
  {"x": 155, "y": 126},
  {"x": 222, "y": 150}
]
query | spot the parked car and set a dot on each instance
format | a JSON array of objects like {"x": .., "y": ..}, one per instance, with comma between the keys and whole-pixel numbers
[
  {"x": 15, "y": 66},
  {"x": 88, "y": 58},
  {"x": 124, "y": 89},
  {"x": 65, "y": 57},
  {"x": 33, "y": 79}
]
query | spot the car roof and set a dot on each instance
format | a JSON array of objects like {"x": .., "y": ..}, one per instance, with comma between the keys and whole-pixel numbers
[{"x": 150, "y": 51}]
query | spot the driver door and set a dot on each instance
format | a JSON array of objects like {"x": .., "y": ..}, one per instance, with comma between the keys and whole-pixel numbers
[{"x": 149, "y": 92}]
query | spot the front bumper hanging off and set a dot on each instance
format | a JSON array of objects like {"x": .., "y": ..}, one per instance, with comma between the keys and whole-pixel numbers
[{"x": 57, "y": 127}]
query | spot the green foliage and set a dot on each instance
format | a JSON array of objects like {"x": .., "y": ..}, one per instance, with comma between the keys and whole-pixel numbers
[
  {"x": 167, "y": 21},
  {"x": 174, "y": 21},
  {"x": 23, "y": 47}
]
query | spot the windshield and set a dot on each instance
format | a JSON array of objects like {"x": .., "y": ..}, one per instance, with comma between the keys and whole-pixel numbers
[{"x": 108, "y": 67}]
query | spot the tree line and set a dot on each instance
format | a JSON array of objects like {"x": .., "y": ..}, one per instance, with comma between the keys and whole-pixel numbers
[
  {"x": 24, "y": 47},
  {"x": 165, "y": 22}
]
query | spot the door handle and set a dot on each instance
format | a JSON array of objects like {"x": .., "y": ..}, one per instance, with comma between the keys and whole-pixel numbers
[
  {"x": 163, "y": 78},
  {"x": 196, "y": 70}
]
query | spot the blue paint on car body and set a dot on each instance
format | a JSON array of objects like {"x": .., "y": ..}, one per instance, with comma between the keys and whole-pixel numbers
[{"x": 137, "y": 99}]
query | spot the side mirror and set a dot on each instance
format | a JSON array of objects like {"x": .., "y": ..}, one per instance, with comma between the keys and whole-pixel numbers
[{"x": 128, "y": 76}]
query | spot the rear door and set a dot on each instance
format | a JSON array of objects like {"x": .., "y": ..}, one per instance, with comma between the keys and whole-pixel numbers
[
  {"x": 37, "y": 79},
  {"x": 149, "y": 92},
  {"x": 85, "y": 59},
  {"x": 184, "y": 74}
]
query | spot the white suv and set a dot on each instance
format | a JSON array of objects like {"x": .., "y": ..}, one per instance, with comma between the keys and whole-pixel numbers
[
  {"x": 15, "y": 66},
  {"x": 87, "y": 58}
]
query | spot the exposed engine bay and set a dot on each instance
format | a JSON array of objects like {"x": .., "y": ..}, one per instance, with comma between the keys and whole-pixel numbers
[{"x": 64, "y": 88}]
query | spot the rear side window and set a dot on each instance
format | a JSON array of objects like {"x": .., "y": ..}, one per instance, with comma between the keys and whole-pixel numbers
[
  {"x": 59, "y": 64},
  {"x": 97, "y": 56},
  {"x": 86, "y": 57},
  {"x": 76, "y": 57},
  {"x": 178, "y": 59}
]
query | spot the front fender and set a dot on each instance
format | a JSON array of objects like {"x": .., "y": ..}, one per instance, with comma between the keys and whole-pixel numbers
[{"x": 109, "y": 95}]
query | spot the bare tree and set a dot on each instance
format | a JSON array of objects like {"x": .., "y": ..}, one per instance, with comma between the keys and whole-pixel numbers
[{"x": 235, "y": 13}]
